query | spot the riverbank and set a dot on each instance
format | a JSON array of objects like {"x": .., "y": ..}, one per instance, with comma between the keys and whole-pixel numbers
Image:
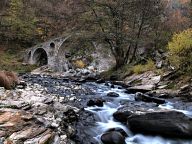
[
  {"x": 155, "y": 82},
  {"x": 66, "y": 110}
]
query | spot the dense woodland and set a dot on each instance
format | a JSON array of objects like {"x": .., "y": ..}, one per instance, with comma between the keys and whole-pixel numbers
[{"x": 124, "y": 26}]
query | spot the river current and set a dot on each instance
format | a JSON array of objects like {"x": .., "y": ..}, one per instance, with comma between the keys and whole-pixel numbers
[{"x": 106, "y": 121}]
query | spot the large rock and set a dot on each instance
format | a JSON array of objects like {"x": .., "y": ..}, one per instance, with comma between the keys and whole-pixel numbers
[
  {"x": 164, "y": 123},
  {"x": 186, "y": 91},
  {"x": 147, "y": 78},
  {"x": 140, "y": 88},
  {"x": 143, "y": 82},
  {"x": 27, "y": 133},
  {"x": 143, "y": 97},
  {"x": 97, "y": 102},
  {"x": 12, "y": 104},
  {"x": 164, "y": 93},
  {"x": 112, "y": 94},
  {"x": 113, "y": 137},
  {"x": 131, "y": 108},
  {"x": 122, "y": 115}
]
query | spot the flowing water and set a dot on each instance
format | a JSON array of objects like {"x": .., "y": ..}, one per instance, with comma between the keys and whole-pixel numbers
[
  {"x": 106, "y": 121},
  {"x": 104, "y": 115}
]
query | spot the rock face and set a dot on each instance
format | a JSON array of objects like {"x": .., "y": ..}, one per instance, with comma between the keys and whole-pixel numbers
[
  {"x": 142, "y": 83},
  {"x": 39, "y": 113},
  {"x": 186, "y": 90},
  {"x": 165, "y": 123},
  {"x": 20, "y": 126}
]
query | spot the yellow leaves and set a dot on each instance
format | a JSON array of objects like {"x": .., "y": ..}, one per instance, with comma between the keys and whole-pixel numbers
[
  {"x": 40, "y": 31},
  {"x": 180, "y": 49},
  {"x": 16, "y": 7},
  {"x": 181, "y": 42},
  {"x": 79, "y": 64}
]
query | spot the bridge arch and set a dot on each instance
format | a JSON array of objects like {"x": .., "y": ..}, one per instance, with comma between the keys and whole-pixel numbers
[{"x": 40, "y": 57}]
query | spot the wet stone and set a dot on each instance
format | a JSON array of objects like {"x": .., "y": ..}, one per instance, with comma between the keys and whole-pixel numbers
[
  {"x": 97, "y": 102},
  {"x": 113, "y": 137},
  {"x": 164, "y": 123},
  {"x": 112, "y": 94},
  {"x": 146, "y": 98}
]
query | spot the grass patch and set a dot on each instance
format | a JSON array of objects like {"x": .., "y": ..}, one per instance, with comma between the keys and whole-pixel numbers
[
  {"x": 171, "y": 86},
  {"x": 149, "y": 66},
  {"x": 120, "y": 73}
]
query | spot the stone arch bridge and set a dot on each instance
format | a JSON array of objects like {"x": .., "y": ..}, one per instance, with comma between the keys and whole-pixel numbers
[{"x": 51, "y": 53}]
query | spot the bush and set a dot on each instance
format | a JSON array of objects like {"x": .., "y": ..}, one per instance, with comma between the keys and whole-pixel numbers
[
  {"x": 137, "y": 69},
  {"x": 180, "y": 51},
  {"x": 79, "y": 64},
  {"x": 149, "y": 66}
]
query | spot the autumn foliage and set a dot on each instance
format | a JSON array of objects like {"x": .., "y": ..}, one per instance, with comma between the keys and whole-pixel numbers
[{"x": 180, "y": 50}]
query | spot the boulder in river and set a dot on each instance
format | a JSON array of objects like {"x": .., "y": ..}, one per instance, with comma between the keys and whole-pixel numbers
[
  {"x": 164, "y": 123},
  {"x": 99, "y": 81},
  {"x": 97, "y": 102},
  {"x": 112, "y": 94},
  {"x": 143, "y": 97},
  {"x": 118, "y": 130},
  {"x": 113, "y": 137},
  {"x": 132, "y": 108},
  {"x": 122, "y": 115}
]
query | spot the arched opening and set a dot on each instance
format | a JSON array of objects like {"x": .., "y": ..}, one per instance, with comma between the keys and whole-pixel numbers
[
  {"x": 52, "y": 45},
  {"x": 40, "y": 57}
]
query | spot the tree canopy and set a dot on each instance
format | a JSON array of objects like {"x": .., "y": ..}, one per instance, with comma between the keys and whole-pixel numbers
[{"x": 123, "y": 25}]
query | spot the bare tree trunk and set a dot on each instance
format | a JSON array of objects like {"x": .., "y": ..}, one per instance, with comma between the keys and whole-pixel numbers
[
  {"x": 120, "y": 61},
  {"x": 138, "y": 36}
]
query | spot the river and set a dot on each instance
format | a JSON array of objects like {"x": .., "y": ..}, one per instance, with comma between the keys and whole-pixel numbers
[{"x": 102, "y": 119}]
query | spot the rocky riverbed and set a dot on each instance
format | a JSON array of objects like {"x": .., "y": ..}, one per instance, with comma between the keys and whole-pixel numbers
[{"x": 60, "y": 110}]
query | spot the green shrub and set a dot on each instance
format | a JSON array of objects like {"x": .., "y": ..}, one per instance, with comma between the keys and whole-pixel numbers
[
  {"x": 149, "y": 66},
  {"x": 180, "y": 51}
]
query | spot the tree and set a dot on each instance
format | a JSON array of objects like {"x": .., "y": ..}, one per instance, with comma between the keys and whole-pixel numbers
[
  {"x": 55, "y": 17},
  {"x": 123, "y": 24},
  {"x": 178, "y": 13},
  {"x": 18, "y": 24}
]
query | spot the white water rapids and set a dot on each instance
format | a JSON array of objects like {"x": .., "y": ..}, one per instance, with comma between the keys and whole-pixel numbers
[{"x": 106, "y": 120}]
